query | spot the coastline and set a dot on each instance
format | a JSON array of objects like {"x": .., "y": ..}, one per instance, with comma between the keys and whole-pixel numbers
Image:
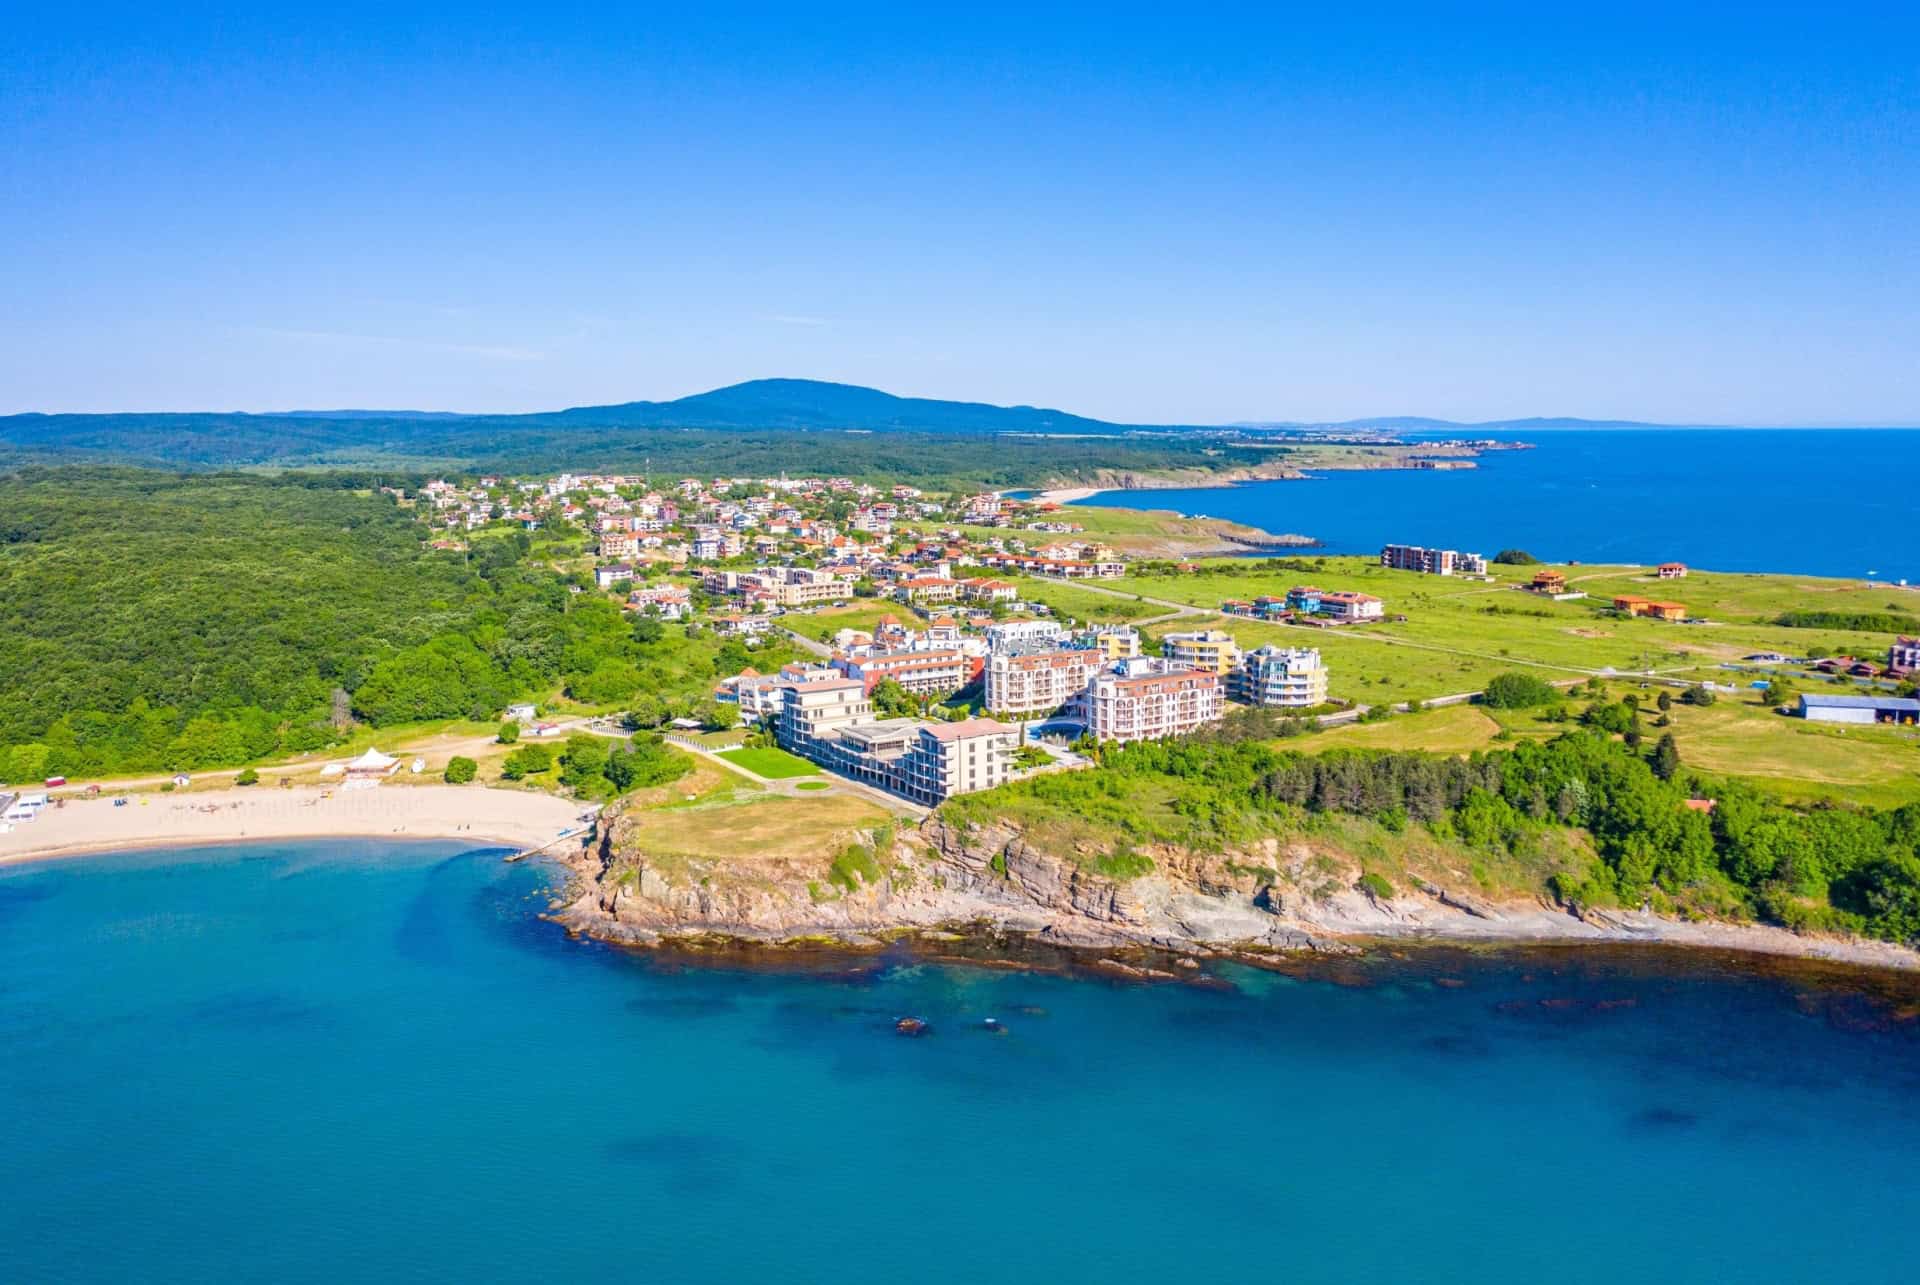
[
  {"x": 990, "y": 893},
  {"x": 522, "y": 820}
]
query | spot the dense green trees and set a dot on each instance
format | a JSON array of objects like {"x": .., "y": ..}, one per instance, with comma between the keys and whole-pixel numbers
[
  {"x": 1515, "y": 558},
  {"x": 153, "y": 622},
  {"x": 1821, "y": 867},
  {"x": 1870, "y": 622},
  {"x": 1518, "y": 691},
  {"x": 460, "y": 770}
]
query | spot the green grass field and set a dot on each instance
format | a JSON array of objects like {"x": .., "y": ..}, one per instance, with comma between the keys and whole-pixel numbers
[
  {"x": 770, "y": 762},
  {"x": 1797, "y": 761},
  {"x": 1459, "y": 632},
  {"x": 863, "y": 615}
]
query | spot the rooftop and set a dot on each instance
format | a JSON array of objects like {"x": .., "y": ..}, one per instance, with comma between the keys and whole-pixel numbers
[{"x": 1905, "y": 704}]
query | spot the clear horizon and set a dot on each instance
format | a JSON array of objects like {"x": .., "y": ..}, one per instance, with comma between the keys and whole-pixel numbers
[{"x": 1684, "y": 218}]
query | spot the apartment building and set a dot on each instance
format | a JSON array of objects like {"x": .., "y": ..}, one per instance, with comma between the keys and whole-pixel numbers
[
  {"x": 1004, "y": 637},
  {"x": 830, "y": 721},
  {"x": 1147, "y": 698},
  {"x": 802, "y": 586},
  {"x": 1038, "y": 682},
  {"x": 1211, "y": 649},
  {"x": 1112, "y": 642},
  {"x": 619, "y": 544},
  {"x": 931, "y": 672},
  {"x": 1279, "y": 678},
  {"x": 1432, "y": 562},
  {"x": 814, "y": 710}
]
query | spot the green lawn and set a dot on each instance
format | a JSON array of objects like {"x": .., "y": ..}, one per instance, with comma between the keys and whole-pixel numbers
[
  {"x": 1797, "y": 761},
  {"x": 770, "y": 762},
  {"x": 863, "y": 615},
  {"x": 1459, "y": 632}
]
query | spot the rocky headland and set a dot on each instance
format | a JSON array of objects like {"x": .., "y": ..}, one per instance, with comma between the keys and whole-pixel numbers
[{"x": 986, "y": 885}]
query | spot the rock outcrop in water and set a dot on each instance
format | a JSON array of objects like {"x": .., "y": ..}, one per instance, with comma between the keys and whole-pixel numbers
[{"x": 945, "y": 880}]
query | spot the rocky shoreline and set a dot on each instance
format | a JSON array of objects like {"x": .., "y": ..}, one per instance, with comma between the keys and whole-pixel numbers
[{"x": 987, "y": 896}]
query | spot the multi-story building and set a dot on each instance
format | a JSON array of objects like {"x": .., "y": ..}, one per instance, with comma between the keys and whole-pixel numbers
[
  {"x": 669, "y": 602},
  {"x": 924, "y": 673},
  {"x": 1212, "y": 649},
  {"x": 802, "y": 586},
  {"x": 830, "y": 721},
  {"x": 1432, "y": 562},
  {"x": 1279, "y": 677},
  {"x": 1038, "y": 682},
  {"x": 1903, "y": 657},
  {"x": 1112, "y": 642},
  {"x": 609, "y": 576},
  {"x": 760, "y": 696},
  {"x": 813, "y": 710},
  {"x": 619, "y": 544},
  {"x": 1005, "y": 637},
  {"x": 1350, "y": 608},
  {"x": 1147, "y": 698}
]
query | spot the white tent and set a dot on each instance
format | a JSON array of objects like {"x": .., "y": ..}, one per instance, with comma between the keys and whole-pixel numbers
[{"x": 370, "y": 768}]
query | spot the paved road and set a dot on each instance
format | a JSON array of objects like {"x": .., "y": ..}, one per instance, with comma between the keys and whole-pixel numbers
[{"x": 818, "y": 648}]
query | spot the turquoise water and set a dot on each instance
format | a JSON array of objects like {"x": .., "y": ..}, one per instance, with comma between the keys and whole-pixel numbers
[
  {"x": 348, "y": 1060},
  {"x": 1814, "y": 501}
]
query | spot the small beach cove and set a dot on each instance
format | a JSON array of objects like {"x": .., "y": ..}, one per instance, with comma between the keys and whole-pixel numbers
[{"x": 82, "y": 825}]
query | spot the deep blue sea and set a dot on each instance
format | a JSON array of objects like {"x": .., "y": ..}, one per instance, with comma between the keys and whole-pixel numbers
[
  {"x": 1836, "y": 502},
  {"x": 357, "y": 1060}
]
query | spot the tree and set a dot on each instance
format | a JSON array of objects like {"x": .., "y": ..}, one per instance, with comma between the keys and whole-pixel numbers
[
  {"x": 583, "y": 762},
  {"x": 1700, "y": 694},
  {"x": 1517, "y": 691},
  {"x": 891, "y": 700},
  {"x": 509, "y": 732},
  {"x": 1666, "y": 757},
  {"x": 647, "y": 631},
  {"x": 1776, "y": 693},
  {"x": 460, "y": 770},
  {"x": 1664, "y": 700},
  {"x": 1515, "y": 558},
  {"x": 528, "y": 760},
  {"x": 248, "y": 776}
]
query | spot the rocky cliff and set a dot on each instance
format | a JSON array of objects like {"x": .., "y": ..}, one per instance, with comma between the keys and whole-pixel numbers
[{"x": 988, "y": 882}]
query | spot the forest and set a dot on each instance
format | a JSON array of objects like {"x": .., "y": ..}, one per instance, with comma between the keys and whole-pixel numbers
[
  {"x": 1839, "y": 868},
  {"x": 157, "y": 622},
  {"x": 530, "y": 445}
]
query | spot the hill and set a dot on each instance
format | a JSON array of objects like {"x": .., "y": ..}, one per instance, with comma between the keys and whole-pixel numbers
[{"x": 758, "y": 427}]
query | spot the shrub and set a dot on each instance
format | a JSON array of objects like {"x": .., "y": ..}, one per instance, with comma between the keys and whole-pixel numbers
[
  {"x": 1515, "y": 558},
  {"x": 1122, "y": 864},
  {"x": 1376, "y": 884},
  {"x": 247, "y": 777},
  {"x": 460, "y": 770},
  {"x": 509, "y": 732}
]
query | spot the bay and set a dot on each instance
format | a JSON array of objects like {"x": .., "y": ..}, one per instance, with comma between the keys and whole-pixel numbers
[
  {"x": 361, "y": 1060},
  {"x": 1831, "y": 502}
]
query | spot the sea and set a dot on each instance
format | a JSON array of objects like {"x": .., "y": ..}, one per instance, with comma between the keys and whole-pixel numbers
[
  {"x": 1828, "y": 502},
  {"x": 326, "y": 1061}
]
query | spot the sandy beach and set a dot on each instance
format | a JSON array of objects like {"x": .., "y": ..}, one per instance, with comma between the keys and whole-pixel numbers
[{"x": 510, "y": 818}]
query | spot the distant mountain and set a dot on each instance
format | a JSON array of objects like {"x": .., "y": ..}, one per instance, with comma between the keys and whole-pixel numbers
[
  {"x": 812, "y": 403},
  {"x": 371, "y": 414}
]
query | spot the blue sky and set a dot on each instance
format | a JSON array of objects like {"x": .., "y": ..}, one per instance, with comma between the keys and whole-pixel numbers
[{"x": 1163, "y": 214}]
